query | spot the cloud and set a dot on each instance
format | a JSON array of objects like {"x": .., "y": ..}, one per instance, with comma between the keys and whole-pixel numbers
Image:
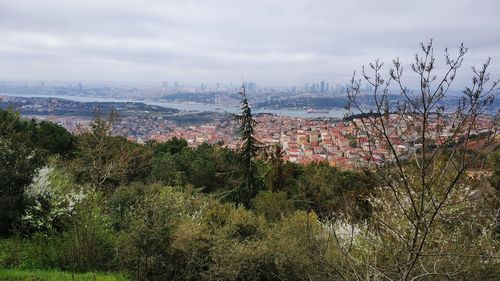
[{"x": 272, "y": 42}]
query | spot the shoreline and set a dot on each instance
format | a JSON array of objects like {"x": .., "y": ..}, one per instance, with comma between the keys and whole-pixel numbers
[{"x": 192, "y": 106}]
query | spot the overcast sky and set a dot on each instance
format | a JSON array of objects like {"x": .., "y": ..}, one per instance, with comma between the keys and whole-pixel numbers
[{"x": 271, "y": 42}]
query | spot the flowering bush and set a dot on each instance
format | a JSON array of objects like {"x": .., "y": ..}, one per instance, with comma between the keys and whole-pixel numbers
[{"x": 52, "y": 198}]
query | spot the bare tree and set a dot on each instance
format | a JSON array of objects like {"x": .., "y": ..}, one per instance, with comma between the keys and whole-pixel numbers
[
  {"x": 102, "y": 158},
  {"x": 423, "y": 145}
]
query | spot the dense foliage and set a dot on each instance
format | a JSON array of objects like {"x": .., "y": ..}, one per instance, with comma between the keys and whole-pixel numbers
[
  {"x": 24, "y": 147},
  {"x": 94, "y": 202}
]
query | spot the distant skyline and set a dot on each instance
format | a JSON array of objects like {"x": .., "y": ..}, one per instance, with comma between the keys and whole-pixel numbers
[{"x": 274, "y": 43}]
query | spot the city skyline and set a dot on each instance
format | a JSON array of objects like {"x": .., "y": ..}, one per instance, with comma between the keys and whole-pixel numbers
[{"x": 283, "y": 43}]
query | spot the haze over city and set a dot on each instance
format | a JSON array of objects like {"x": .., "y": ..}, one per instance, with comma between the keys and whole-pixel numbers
[
  {"x": 274, "y": 140},
  {"x": 275, "y": 43}
]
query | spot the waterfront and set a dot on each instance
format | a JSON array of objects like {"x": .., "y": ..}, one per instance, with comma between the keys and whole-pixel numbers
[{"x": 195, "y": 107}]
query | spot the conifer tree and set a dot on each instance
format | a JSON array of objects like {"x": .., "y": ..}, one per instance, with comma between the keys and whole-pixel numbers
[{"x": 248, "y": 150}]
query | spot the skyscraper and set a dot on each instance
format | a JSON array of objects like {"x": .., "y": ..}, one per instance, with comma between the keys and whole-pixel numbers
[{"x": 250, "y": 86}]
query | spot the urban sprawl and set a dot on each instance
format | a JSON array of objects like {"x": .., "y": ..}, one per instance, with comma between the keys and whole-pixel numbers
[{"x": 303, "y": 140}]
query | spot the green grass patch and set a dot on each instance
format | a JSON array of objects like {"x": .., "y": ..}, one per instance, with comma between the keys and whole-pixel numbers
[{"x": 53, "y": 275}]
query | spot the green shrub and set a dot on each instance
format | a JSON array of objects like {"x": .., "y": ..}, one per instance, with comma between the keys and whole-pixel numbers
[
  {"x": 144, "y": 243},
  {"x": 272, "y": 205},
  {"x": 89, "y": 243},
  {"x": 40, "y": 251},
  {"x": 126, "y": 199}
]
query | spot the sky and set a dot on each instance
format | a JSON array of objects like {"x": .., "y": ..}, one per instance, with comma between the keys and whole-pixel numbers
[{"x": 271, "y": 42}]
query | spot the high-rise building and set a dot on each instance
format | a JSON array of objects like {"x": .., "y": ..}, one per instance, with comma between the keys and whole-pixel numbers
[
  {"x": 250, "y": 86},
  {"x": 322, "y": 87}
]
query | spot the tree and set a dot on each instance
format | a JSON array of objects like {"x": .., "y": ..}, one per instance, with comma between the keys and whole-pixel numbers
[
  {"x": 19, "y": 161},
  {"x": 105, "y": 161},
  {"x": 427, "y": 212},
  {"x": 46, "y": 136},
  {"x": 172, "y": 146},
  {"x": 331, "y": 193},
  {"x": 208, "y": 166},
  {"x": 54, "y": 138},
  {"x": 18, "y": 165},
  {"x": 275, "y": 174},
  {"x": 248, "y": 151}
]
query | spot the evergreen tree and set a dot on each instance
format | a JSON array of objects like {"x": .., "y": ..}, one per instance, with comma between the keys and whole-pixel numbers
[
  {"x": 247, "y": 151},
  {"x": 19, "y": 161}
]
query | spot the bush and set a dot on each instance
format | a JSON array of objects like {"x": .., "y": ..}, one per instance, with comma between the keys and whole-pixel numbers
[
  {"x": 272, "y": 205},
  {"x": 128, "y": 198},
  {"x": 37, "y": 252},
  {"x": 145, "y": 241},
  {"x": 51, "y": 199},
  {"x": 89, "y": 243}
]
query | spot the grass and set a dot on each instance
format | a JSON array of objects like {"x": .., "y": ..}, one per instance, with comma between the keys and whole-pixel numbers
[{"x": 53, "y": 275}]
